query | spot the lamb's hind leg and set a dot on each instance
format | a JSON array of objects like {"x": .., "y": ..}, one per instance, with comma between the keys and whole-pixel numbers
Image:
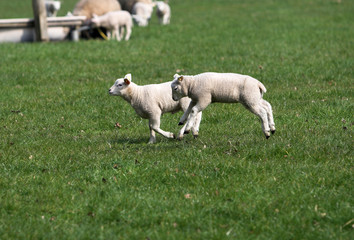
[
  {"x": 129, "y": 32},
  {"x": 154, "y": 124},
  {"x": 261, "y": 112},
  {"x": 268, "y": 107},
  {"x": 118, "y": 33},
  {"x": 121, "y": 32}
]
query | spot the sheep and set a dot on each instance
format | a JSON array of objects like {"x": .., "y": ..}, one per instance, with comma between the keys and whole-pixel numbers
[
  {"x": 128, "y": 4},
  {"x": 52, "y": 7},
  {"x": 163, "y": 12},
  {"x": 115, "y": 22},
  {"x": 99, "y": 7},
  {"x": 206, "y": 88},
  {"x": 150, "y": 102},
  {"x": 141, "y": 13}
]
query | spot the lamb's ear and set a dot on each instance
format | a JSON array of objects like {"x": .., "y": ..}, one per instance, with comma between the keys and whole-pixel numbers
[
  {"x": 180, "y": 78},
  {"x": 128, "y": 78},
  {"x": 175, "y": 76}
]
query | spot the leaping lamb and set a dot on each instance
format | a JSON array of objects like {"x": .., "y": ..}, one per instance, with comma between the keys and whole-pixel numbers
[{"x": 206, "y": 88}]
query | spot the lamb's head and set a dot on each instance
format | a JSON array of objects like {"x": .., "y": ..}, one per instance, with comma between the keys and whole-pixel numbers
[
  {"x": 95, "y": 20},
  {"x": 56, "y": 5},
  {"x": 177, "y": 87},
  {"x": 120, "y": 86},
  {"x": 160, "y": 6}
]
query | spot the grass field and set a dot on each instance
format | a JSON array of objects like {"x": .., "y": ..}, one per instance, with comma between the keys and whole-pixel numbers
[{"x": 66, "y": 172}]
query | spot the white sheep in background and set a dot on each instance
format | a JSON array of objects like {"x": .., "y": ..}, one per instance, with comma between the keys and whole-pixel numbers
[
  {"x": 99, "y": 7},
  {"x": 150, "y": 102},
  {"x": 115, "y": 22},
  {"x": 163, "y": 12},
  {"x": 142, "y": 12},
  {"x": 207, "y": 88},
  {"x": 128, "y": 4},
  {"x": 52, "y": 8}
]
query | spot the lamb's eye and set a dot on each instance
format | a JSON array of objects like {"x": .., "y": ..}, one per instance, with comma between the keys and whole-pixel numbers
[
  {"x": 119, "y": 85},
  {"x": 175, "y": 88}
]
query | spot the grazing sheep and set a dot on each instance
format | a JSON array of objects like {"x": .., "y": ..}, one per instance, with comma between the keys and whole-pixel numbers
[
  {"x": 163, "y": 12},
  {"x": 207, "y": 88},
  {"x": 128, "y": 4},
  {"x": 52, "y": 7},
  {"x": 141, "y": 13},
  {"x": 115, "y": 22},
  {"x": 99, "y": 7},
  {"x": 150, "y": 102}
]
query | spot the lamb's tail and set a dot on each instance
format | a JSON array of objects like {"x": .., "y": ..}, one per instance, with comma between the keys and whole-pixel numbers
[{"x": 262, "y": 88}]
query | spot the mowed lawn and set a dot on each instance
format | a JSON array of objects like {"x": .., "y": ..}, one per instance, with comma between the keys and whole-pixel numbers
[{"x": 66, "y": 171}]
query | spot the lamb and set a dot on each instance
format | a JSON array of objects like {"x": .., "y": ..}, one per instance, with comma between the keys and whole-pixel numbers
[
  {"x": 206, "y": 88},
  {"x": 52, "y": 7},
  {"x": 163, "y": 12},
  {"x": 141, "y": 13},
  {"x": 150, "y": 102},
  {"x": 99, "y": 7},
  {"x": 115, "y": 22}
]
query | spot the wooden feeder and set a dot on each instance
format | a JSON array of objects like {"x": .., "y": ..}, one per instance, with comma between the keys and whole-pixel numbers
[{"x": 40, "y": 28}]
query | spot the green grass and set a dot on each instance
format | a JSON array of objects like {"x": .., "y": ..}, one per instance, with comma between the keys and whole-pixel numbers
[{"x": 67, "y": 173}]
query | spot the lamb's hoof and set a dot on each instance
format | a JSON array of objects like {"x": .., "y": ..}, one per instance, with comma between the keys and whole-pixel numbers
[
  {"x": 272, "y": 131},
  {"x": 195, "y": 136},
  {"x": 186, "y": 132},
  {"x": 267, "y": 137},
  {"x": 180, "y": 138},
  {"x": 180, "y": 123},
  {"x": 173, "y": 136}
]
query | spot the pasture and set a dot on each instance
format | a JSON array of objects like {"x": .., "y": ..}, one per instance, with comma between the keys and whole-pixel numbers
[{"x": 66, "y": 171}]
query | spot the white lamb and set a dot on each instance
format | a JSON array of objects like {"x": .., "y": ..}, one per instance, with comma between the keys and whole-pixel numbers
[
  {"x": 150, "y": 102},
  {"x": 141, "y": 13},
  {"x": 52, "y": 7},
  {"x": 115, "y": 22},
  {"x": 207, "y": 88},
  {"x": 163, "y": 12}
]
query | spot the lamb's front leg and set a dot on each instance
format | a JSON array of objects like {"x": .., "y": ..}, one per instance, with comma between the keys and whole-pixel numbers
[
  {"x": 118, "y": 33},
  {"x": 109, "y": 34},
  {"x": 196, "y": 124},
  {"x": 154, "y": 124},
  {"x": 195, "y": 128},
  {"x": 200, "y": 106},
  {"x": 186, "y": 113},
  {"x": 152, "y": 136}
]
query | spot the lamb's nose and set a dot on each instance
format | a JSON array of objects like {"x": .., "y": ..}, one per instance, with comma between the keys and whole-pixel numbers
[{"x": 109, "y": 90}]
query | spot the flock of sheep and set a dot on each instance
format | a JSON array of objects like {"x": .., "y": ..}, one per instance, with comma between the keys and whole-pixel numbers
[
  {"x": 192, "y": 94},
  {"x": 116, "y": 16}
]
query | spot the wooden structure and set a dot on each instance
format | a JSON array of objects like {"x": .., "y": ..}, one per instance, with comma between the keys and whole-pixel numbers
[
  {"x": 40, "y": 20},
  {"x": 58, "y": 28},
  {"x": 41, "y": 28}
]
